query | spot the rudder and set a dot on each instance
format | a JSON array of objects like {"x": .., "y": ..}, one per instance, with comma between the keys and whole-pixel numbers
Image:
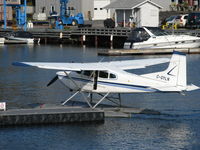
[{"x": 175, "y": 74}]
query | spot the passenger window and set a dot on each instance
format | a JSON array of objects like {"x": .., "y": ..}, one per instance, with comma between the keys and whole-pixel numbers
[
  {"x": 103, "y": 74},
  {"x": 112, "y": 76}
]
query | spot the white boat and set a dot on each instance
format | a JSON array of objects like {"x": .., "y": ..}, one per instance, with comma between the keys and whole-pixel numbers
[
  {"x": 21, "y": 36},
  {"x": 154, "y": 38},
  {"x": 2, "y": 40}
]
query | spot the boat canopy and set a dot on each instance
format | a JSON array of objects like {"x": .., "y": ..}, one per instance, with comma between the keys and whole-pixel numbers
[
  {"x": 144, "y": 33},
  {"x": 22, "y": 34}
]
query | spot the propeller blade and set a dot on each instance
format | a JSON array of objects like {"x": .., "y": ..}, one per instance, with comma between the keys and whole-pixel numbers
[
  {"x": 52, "y": 81},
  {"x": 95, "y": 80}
]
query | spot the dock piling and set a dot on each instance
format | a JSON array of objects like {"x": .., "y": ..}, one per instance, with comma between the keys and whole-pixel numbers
[
  {"x": 111, "y": 41},
  {"x": 96, "y": 41}
]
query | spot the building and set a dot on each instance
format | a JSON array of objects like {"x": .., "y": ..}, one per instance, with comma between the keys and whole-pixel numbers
[
  {"x": 91, "y": 9},
  {"x": 10, "y": 10},
  {"x": 84, "y": 6},
  {"x": 139, "y": 12},
  {"x": 186, "y": 5},
  {"x": 165, "y": 4}
]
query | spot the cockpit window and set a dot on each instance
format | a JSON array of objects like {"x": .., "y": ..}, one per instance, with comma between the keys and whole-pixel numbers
[
  {"x": 88, "y": 73},
  {"x": 103, "y": 74},
  {"x": 79, "y": 72}
]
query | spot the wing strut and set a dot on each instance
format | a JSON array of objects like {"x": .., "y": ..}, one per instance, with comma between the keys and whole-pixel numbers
[
  {"x": 100, "y": 100},
  {"x": 70, "y": 97},
  {"x": 79, "y": 91}
]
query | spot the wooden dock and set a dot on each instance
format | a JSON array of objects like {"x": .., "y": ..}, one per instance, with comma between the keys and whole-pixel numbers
[
  {"x": 122, "y": 52},
  {"x": 93, "y": 36},
  {"x": 109, "y": 37},
  {"x": 52, "y": 115}
]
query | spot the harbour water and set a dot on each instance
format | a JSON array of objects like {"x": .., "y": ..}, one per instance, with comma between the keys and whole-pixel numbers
[{"x": 176, "y": 128}]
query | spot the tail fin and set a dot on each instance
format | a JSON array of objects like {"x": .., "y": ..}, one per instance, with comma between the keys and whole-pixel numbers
[{"x": 175, "y": 74}]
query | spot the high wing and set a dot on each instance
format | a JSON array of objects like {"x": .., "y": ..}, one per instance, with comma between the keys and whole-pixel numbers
[
  {"x": 124, "y": 65},
  {"x": 136, "y": 64}
]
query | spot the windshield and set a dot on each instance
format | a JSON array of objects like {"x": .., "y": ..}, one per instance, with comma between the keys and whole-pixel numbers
[
  {"x": 140, "y": 34},
  {"x": 157, "y": 31}
]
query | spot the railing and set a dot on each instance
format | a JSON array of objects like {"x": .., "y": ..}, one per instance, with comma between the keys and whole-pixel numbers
[{"x": 123, "y": 32}]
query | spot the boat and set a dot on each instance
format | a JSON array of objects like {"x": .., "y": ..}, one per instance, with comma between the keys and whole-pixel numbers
[
  {"x": 2, "y": 40},
  {"x": 156, "y": 38},
  {"x": 21, "y": 37}
]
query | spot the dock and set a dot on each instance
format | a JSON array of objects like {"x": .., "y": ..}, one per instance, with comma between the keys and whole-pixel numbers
[
  {"x": 123, "y": 52},
  {"x": 93, "y": 36},
  {"x": 51, "y": 115},
  {"x": 56, "y": 114}
]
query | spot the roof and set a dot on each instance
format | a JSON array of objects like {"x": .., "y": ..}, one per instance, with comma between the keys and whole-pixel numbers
[{"x": 129, "y": 4}]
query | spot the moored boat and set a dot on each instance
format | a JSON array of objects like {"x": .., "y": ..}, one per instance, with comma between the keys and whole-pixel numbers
[
  {"x": 2, "y": 40},
  {"x": 154, "y": 37},
  {"x": 21, "y": 36}
]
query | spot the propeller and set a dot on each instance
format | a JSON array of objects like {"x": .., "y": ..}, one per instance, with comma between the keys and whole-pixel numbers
[{"x": 52, "y": 81}]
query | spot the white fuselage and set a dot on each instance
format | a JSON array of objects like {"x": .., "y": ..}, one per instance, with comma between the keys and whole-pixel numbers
[{"x": 123, "y": 83}]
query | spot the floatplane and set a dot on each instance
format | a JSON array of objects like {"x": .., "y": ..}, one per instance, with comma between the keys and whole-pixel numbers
[{"x": 106, "y": 78}]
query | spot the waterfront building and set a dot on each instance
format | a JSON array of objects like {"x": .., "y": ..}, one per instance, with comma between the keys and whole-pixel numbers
[
  {"x": 93, "y": 9},
  {"x": 135, "y": 12},
  {"x": 9, "y": 12}
]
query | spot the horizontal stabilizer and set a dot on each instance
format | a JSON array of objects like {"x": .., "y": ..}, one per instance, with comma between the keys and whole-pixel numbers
[{"x": 192, "y": 87}]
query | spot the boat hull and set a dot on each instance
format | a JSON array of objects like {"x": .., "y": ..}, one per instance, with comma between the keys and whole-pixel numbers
[
  {"x": 25, "y": 40},
  {"x": 2, "y": 40},
  {"x": 176, "y": 42}
]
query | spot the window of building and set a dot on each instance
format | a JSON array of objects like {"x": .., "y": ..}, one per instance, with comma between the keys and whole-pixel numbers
[{"x": 52, "y": 8}]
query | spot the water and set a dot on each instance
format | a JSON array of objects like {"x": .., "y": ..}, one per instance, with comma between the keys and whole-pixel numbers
[{"x": 176, "y": 128}]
